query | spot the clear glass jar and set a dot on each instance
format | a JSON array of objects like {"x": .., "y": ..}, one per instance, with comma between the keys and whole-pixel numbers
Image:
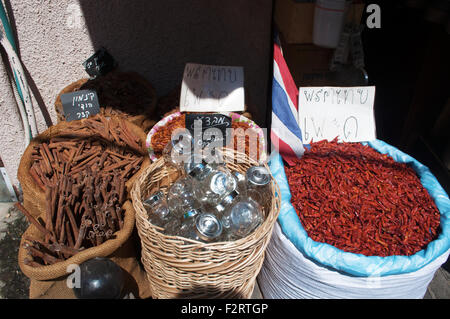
[
  {"x": 242, "y": 218},
  {"x": 197, "y": 168},
  {"x": 157, "y": 209},
  {"x": 207, "y": 228},
  {"x": 188, "y": 222},
  {"x": 219, "y": 183},
  {"x": 178, "y": 150},
  {"x": 226, "y": 202},
  {"x": 258, "y": 185},
  {"x": 241, "y": 186},
  {"x": 213, "y": 158},
  {"x": 180, "y": 196},
  {"x": 172, "y": 226}
]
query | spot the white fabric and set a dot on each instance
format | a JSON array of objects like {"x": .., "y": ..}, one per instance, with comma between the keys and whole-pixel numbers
[{"x": 288, "y": 274}]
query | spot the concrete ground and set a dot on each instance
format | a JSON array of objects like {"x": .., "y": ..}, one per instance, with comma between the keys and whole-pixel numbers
[
  {"x": 14, "y": 285},
  {"x": 439, "y": 287}
]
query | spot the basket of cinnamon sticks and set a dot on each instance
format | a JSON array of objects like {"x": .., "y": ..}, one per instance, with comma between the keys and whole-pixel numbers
[{"x": 75, "y": 179}]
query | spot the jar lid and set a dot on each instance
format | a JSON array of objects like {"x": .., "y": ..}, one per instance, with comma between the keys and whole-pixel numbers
[
  {"x": 208, "y": 226},
  {"x": 258, "y": 175}
]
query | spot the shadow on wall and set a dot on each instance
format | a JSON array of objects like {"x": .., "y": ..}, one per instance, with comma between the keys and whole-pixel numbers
[{"x": 157, "y": 39}]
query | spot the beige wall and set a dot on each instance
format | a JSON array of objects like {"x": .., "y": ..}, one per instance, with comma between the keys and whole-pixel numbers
[{"x": 155, "y": 38}]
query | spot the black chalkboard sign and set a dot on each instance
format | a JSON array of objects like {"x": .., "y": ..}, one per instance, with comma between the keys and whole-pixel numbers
[
  {"x": 80, "y": 104},
  {"x": 220, "y": 122},
  {"x": 100, "y": 63}
]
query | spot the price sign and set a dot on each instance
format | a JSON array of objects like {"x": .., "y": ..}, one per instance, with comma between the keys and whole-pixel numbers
[
  {"x": 343, "y": 112},
  {"x": 80, "y": 104},
  {"x": 100, "y": 63},
  {"x": 213, "y": 127},
  {"x": 212, "y": 88}
]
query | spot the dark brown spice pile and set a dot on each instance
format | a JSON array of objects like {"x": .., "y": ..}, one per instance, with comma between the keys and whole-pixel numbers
[
  {"x": 126, "y": 94},
  {"x": 361, "y": 201}
]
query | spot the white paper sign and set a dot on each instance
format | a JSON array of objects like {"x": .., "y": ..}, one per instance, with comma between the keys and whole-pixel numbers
[
  {"x": 343, "y": 112},
  {"x": 212, "y": 88}
]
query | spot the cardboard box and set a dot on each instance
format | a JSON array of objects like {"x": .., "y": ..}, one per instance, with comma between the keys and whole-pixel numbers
[
  {"x": 309, "y": 64},
  {"x": 295, "y": 20}
]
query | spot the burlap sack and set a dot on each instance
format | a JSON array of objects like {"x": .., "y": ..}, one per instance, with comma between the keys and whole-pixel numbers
[
  {"x": 144, "y": 118},
  {"x": 51, "y": 281},
  {"x": 33, "y": 196},
  {"x": 72, "y": 87}
]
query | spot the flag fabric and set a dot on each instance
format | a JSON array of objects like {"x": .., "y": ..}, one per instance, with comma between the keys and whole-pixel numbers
[{"x": 285, "y": 132}]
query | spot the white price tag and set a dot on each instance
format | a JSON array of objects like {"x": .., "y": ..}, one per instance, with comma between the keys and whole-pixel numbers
[
  {"x": 343, "y": 112},
  {"x": 212, "y": 88}
]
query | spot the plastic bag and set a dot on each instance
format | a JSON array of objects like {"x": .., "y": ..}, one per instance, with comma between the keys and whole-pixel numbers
[
  {"x": 330, "y": 260},
  {"x": 288, "y": 274},
  {"x": 357, "y": 264}
]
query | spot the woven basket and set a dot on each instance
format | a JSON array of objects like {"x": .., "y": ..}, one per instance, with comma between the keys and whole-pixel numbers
[
  {"x": 182, "y": 268},
  {"x": 111, "y": 102}
]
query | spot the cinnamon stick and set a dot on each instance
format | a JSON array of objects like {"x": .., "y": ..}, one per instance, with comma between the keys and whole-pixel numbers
[{"x": 32, "y": 220}]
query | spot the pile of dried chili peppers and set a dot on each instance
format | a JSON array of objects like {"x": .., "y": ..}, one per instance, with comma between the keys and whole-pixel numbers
[
  {"x": 358, "y": 200},
  {"x": 241, "y": 136}
]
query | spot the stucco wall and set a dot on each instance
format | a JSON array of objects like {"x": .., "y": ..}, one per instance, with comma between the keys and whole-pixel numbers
[{"x": 155, "y": 38}]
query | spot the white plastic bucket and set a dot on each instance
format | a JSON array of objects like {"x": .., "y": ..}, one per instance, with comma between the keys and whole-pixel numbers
[{"x": 329, "y": 17}]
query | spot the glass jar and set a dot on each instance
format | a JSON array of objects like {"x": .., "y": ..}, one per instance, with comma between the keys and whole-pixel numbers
[
  {"x": 258, "y": 185},
  {"x": 178, "y": 150},
  {"x": 188, "y": 221},
  {"x": 157, "y": 209},
  {"x": 241, "y": 186},
  {"x": 226, "y": 202},
  {"x": 172, "y": 226},
  {"x": 213, "y": 158},
  {"x": 197, "y": 168},
  {"x": 219, "y": 183},
  {"x": 207, "y": 228},
  {"x": 240, "y": 219},
  {"x": 180, "y": 196}
]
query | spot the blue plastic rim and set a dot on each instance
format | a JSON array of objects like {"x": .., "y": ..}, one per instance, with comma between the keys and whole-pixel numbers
[{"x": 358, "y": 264}]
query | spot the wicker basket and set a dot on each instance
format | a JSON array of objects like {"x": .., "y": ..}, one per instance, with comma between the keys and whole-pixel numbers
[
  {"x": 116, "y": 97},
  {"x": 182, "y": 268}
]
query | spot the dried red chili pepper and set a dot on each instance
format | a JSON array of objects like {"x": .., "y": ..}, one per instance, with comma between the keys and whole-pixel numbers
[
  {"x": 241, "y": 138},
  {"x": 358, "y": 200}
]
